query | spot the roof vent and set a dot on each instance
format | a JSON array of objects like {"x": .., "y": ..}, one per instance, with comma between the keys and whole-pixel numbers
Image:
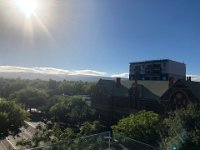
[{"x": 118, "y": 81}]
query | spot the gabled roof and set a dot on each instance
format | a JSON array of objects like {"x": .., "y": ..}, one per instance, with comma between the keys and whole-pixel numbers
[
  {"x": 121, "y": 91},
  {"x": 156, "y": 87},
  {"x": 147, "y": 89},
  {"x": 194, "y": 87},
  {"x": 146, "y": 94},
  {"x": 108, "y": 85}
]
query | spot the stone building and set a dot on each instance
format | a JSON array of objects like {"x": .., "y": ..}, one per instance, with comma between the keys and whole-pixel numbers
[
  {"x": 116, "y": 99},
  {"x": 180, "y": 94},
  {"x": 156, "y": 85}
]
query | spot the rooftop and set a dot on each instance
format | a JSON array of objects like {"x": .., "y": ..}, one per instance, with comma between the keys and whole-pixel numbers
[
  {"x": 154, "y": 61},
  {"x": 148, "y": 89}
]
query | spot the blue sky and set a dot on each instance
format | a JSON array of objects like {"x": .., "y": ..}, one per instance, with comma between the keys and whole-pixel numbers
[{"x": 100, "y": 35}]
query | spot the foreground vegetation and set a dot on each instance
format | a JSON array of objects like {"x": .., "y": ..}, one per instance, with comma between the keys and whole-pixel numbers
[
  {"x": 12, "y": 116},
  {"x": 67, "y": 115},
  {"x": 180, "y": 128},
  {"x": 55, "y": 101}
]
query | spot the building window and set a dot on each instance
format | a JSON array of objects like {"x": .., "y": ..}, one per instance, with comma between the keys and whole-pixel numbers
[
  {"x": 143, "y": 66},
  {"x": 137, "y": 69},
  {"x": 164, "y": 78},
  {"x": 164, "y": 65}
]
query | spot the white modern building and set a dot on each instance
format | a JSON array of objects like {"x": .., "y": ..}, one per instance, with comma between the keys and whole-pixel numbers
[{"x": 163, "y": 69}]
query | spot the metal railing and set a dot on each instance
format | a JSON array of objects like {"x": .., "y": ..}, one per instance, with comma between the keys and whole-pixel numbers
[
  {"x": 101, "y": 141},
  {"x": 120, "y": 142}
]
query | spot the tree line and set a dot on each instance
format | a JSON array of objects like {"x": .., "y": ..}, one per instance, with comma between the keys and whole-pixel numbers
[
  {"x": 71, "y": 116},
  {"x": 51, "y": 87},
  {"x": 58, "y": 101}
]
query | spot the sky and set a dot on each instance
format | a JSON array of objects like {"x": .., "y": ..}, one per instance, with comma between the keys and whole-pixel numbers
[{"x": 100, "y": 35}]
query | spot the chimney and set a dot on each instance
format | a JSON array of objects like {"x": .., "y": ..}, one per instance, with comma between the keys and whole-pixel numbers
[
  {"x": 189, "y": 78},
  {"x": 118, "y": 81},
  {"x": 171, "y": 81},
  {"x": 136, "y": 81}
]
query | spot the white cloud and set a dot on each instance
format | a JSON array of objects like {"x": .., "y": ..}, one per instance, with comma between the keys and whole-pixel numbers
[
  {"x": 88, "y": 72},
  {"x": 50, "y": 70},
  {"x": 57, "y": 71},
  {"x": 122, "y": 75}
]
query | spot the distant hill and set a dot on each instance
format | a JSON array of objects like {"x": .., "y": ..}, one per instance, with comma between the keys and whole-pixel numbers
[
  {"x": 58, "y": 77},
  {"x": 46, "y": 73}
]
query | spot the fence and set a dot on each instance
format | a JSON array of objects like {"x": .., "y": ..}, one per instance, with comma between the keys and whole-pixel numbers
[
  {"x": 101, "y": 141},
  {"x": 120, "y": 142}
]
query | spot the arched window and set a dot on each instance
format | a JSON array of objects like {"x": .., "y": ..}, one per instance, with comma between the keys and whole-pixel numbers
[{"x": 178, "y": 99}]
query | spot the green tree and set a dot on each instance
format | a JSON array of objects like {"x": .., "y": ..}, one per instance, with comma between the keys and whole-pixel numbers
[
  {"x": 75, "y": 87},
  {"x": 88, "y": 88},
  {"x": 8, "y": 86},
  {"x": 30, "y": 97},
  {"x": 182, "y": 128},
  {"x": 44, "y": 136},
  {"x": 72, "y": 110},
  {"x": 66, "y": 88},
  {"x": 89, "y": 128},
  {"x": 53, "y": 87},
  {"x": 58, "y": 112},
  {"x": 78, "y": 110},
  {"x": 67, "y": 134},
  {"x": 142, "y": 126},
  {"x": 12, "y": 116},
  {"x": 51, "y": 102},
  {"x": 37, "y": 83}
]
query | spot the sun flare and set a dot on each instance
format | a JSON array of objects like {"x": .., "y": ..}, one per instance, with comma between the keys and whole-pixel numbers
[{"x": 28, "y": 7}]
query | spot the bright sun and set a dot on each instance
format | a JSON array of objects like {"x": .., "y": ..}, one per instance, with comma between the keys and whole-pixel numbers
[{"x": 28, "y": 7}]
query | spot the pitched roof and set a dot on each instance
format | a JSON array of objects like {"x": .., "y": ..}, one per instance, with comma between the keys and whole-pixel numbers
[
  {"x": 156, "y": 87},
  {"x": 108, "y": 85},
  {"x": 146, "y": 94},
  {"x": 147, "y": 89},
  {"x": 193, "y": 86}
]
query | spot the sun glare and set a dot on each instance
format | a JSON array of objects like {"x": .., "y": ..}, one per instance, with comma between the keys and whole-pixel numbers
[{"x": 28, "y": 7}]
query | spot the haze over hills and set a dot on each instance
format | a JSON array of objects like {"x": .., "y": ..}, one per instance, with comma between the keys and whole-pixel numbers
[
  {"x": 58, "y": 77},
  {"x": 46, "y": 73}
]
